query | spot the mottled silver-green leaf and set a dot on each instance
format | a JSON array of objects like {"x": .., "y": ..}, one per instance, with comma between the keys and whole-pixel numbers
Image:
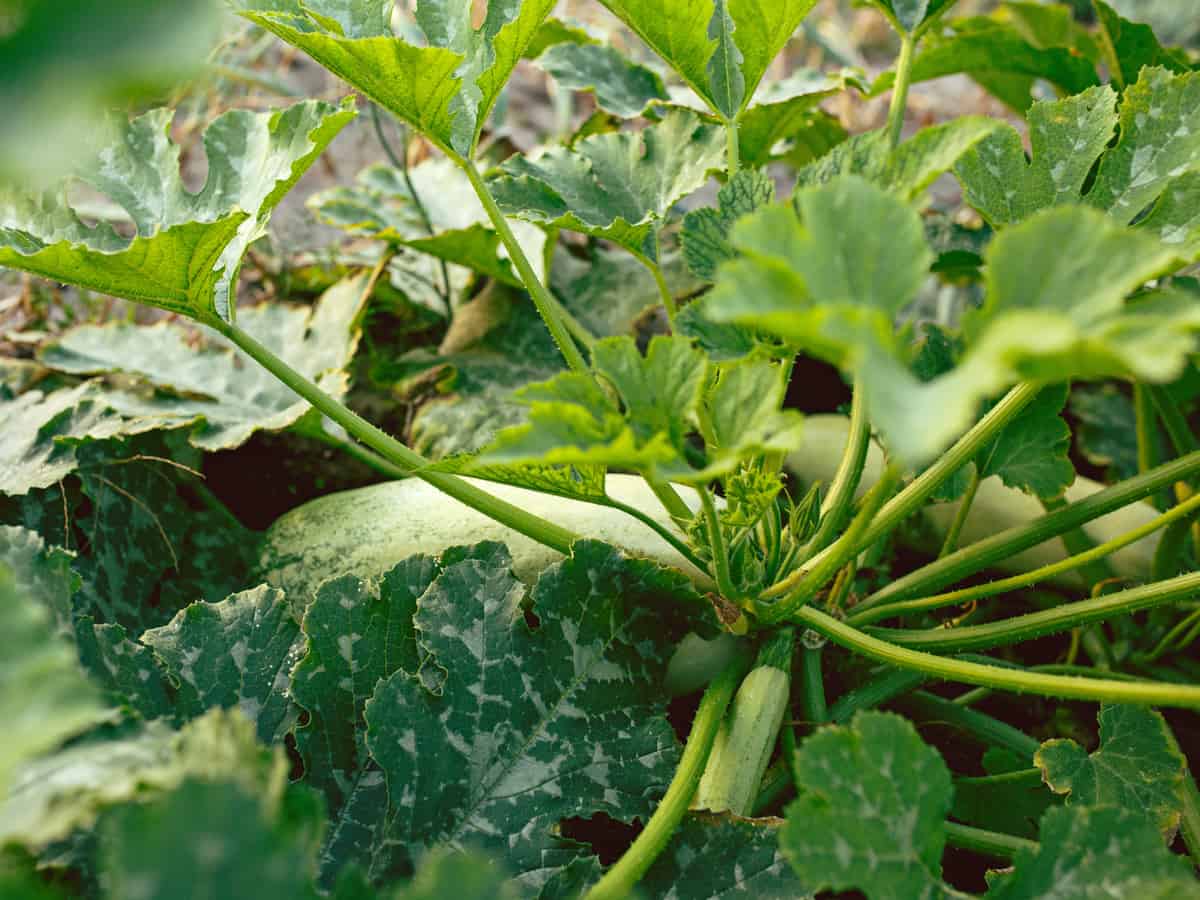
[
  {"x": 204, "y": 383},
  {"x": 41, "y": 573},
  {"x": 54, "y": 795},
  {"x": 1138, "y": 766},
  {"x": 457, "y": 229},
  {"x": 713, "y": 857},
  {"x": 238, "y": 652},
  {"x": 189, "y": 246},
  {"x": 705, "y": 235},
  {"x": 618, "y": 186},
  {"x": 1175, "y": 218},
  {"x": 447, "y": 89},
  {"x": 357, "y": 636},
  {"x": 218, "y": 838},
  {"x": 462, "y": 876},
  {"x": 533, "y": 723},
  {"x": 1096, "y": 853},
  {"x": 1157, "y": 155},
  {"x": 125, "y": 668},
  {"x": 44, "y": 697},
  {"x": 871, "y": 811},
  {"x": 621, "y": 86}
]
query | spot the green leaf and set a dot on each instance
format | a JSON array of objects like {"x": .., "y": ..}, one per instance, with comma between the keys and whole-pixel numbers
[
  {"x": 1105, "y": 429},
  {"x": 40, "y": 573},
  {"x": 356, "y": 638},
  {"x": 912, "y": 14},
  {"x": 846, "y": 265},
  {"x": 1067, "y": 137},
  {"x": 705, "y": 235},
  {"x": 619, "y": 186},
  {"x": 1089, "y": 853},
  {"x": 573, "y": 420},
  {"x": 61, "y": 72},
  {"x": 721, "y": 48},
  {"x": 463, "y": 876},
  {"x": 1001, "y": 58},
  {"x": 1000, "y": 805},
  {"x": 234, "y": 653},
  {"x": 69, "y": 789},
  {"x": 1137, "y": 767},
  {"x": 531, "y": 724},
  {"x": 722, "y": 856},
  {"x": 745, "y": 418},
  {"x": 871, "y": 812},
  {"x": 203, "y": 382},
  {"x": 621, "y": 86},
  {"x": 786, "y": 110},
  {"x": 1133, "y": 46},
  {"x": 189, "y": 247},
  {"x": 44, "y": 698},
  {"x": 1031, "y": 452},
  {"x": 1175, "y": 218},
  {"x": 445, "y": 90},
  {"x": 218, "y": 838},
  {"x": 457, "y": 230},
  {"x": 908, "y": 170}
]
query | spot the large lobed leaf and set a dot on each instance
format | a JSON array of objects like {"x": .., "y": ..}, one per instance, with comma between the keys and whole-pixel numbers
[
  {"x": 619, "y": 186},
  {"x": 721, "y": 48},
  {"x": 188, "y": 248},
  {"x": 446, "y": 89}
]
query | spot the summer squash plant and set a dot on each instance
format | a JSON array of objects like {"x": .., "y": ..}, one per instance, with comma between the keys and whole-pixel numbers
[{"x": 625, "y": 581}]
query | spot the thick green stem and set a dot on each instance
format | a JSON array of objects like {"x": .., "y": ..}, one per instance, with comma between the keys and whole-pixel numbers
[
  {"x": 908, "y": 47},
  {"x": 619, "y": 881},
  {"x": 997, "y": 677},
  {"x": 1176, "y": 425},
  {"x": 840, "y": 498},
  {"x": 816, "y": 711},
  {"x": 664, "y": 289},
  {"x": 827, "y": 564},
  {"x": 876, "y": 692},
  {"x": 921, "y": 488},
  {"x": 546, "y": 305},
  {"x": 716, "y": 544},
  {"x": 1047, "y": 621},
  {"x": 539, "y": 529},
  {"x": 986, "y": 729},
  {"x": 733, "y": 149},
  {"x": 1025, "y": 579},
  {"x": 658, "y": 527},
  {"x": 989, "y": 551},
  {"x": 1144, "y": 418},
  {"x": 989, "y": 843},
  {"x": 670, "y": 499},
  {"x": 960, "y": 515}
]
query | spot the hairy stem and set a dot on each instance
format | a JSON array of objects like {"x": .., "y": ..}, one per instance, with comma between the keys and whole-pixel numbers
[
  {"x": 895, "y": 126},
  {"x": 1047, "y": 621},
  {"x": 733, "y": 149},
  {"x": 535, "y": 527},
  {"x": 716, "y": 543},
  {"x": 619, "y": 881},
  {"x": 658, "y": 527},
  {"x": 960, "y": 515},
  {"x": 546, "y": 305},
  {"x": 1011, "y": 541},
  {"x": 989, "y": 843},
  {"x": 840, "y": 498},
  {"x": 1025, "y": 579},
  {"x": 997, "y": 677},
  {"x": 984, "y": 728}
]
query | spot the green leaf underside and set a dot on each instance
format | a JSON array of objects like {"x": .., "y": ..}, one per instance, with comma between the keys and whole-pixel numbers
[
  {"x": 871, "y": 812},
  {"x": 69, "y": 789},
  {"x": 1138, "y": 766},
  {"x": 45, "y": 698},
  {"x": 447, "y": 89},
  {"x": 382, "y": 206},
  {"x": 203, "y": 383},
  {"x": 1157, "y": 155},
  {"x": 619, "y": 186},
  {"x": 523, "y": 729},
  {"x": 188, "y": 248},
  {"x": 1055, "y": 306},
  {"x": 722, "y": 856}
]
